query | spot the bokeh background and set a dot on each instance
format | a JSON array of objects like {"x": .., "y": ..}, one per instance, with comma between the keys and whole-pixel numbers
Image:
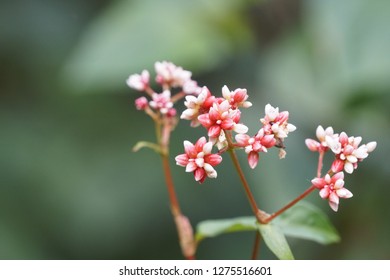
[{"x": 70, "y": 186}]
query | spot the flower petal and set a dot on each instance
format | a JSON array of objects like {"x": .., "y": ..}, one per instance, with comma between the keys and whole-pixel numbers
[
  {"x": 182, "y": 160},
  {"x": 348, "y": 167},
  {"x": 189, "y": 148},
  {"x": 199, "y": 174},
  {"x": 240, "y": 128},
  {"x": 344, "y": 193},
  {"x": 213, "y": 159},
  {"x": 191, "y": 166},
  {"x": 253, "y": 159}
]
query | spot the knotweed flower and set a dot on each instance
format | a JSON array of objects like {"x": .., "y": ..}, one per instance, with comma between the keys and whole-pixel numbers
[
  {"x": 171, "y": 75},
  {"x": 139, "y": 82},
  {"x": 199, "y": 159},
  {"x": 332, "y": 189},
  {"x": 321, "y": 144},
  {"x": 221, "y": 117},
  {"x": 197, "y": 105},
  {"x": 141, "y": 103},
  {"x": 348, "y": 152},
  {"x": 276, "y": 123},
  {"x": 236, "y": 98},
  {"x": 191, "y": 87},
  {"x": 161, "y": 101},
  {"x": 253, "y": 145}
]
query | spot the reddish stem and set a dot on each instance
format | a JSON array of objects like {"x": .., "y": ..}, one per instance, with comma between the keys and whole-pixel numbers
[
  {"x": 260, "y": 215},
  {"x": 289, "y": 205},
  {"x": 175, "y": 207},
  {"x": 256, "y": 246},
  {"x": 183, "y": 226}
]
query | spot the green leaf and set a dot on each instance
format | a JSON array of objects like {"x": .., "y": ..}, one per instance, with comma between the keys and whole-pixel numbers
[
  {"x": 212, "y": 228},
  {"x": 276, "y": 241},
  {"x": 303, "y": 220},
  {"x": 306, "y": 221}
]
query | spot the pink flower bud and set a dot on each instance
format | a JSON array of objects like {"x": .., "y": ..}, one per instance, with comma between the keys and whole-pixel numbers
[
  {"x": 141, "y": 103},
  {"x": 171, "y": 112},
  {"x": 312, "y": 145}
]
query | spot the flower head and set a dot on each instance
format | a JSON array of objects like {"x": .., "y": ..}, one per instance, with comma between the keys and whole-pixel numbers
[
  {"x": 276, "y": 123},
  {"x": 139, "y": 82},
  {"x": 197, "y": 105},
  {"x": 191, "y": 87},
  {"x": 221, "y": 117},
  {"x": 199, "y": 159},
  {"x": 236, "y": 98},
  {"x": 253, "y": 145},
  {"x": 332, "y": 189},
  {"x": 171, "y": 75},
  {"x": 141, "y": 103},
  {"x": 322, "y": 134},
  {"x": 348, "y": 152},
  {"x": 161, "y": 101}
]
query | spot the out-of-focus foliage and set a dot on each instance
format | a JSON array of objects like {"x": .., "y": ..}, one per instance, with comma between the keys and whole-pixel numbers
[
  {"x": 70, "y": 186},
  {"x": 303, "y": 220},
  {"x": 132, "y": 35}
]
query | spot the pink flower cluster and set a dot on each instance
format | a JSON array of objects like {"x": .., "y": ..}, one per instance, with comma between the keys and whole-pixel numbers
[
  {"x": 221, "y": 116},
  {"x": 332, "y": 189},
  {"x": 199, "y": 159},
  {"x": 347, "y": 155},
  {"x": 346, "y": 149},
  {"x": 169, "y": 76}
]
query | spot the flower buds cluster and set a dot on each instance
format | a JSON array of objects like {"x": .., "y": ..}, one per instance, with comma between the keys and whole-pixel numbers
[
  {"x": 347, "y": 155},
  {"x": 169, "y": 76},
  {"x": 221, "y": 116}
]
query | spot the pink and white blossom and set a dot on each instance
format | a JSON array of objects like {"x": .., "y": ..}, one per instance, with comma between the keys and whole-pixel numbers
[
  {"x": 348, "y": 152},
  {"x": 199, "y": 159},
  {"x": 221, "y": 117},
  {"x": 141, "y": 103},
  {"x": 322, "y": 134},
  {"x": 139, "y": 82},
  {"x": 236, "y": 98},
  {"x": 197, "y": 105},
  {"x": 191, "y": 87},
  {"x": 171, "y": 75},
  {"x": 276, "y": 123},
  {"x": 161, "y": 101},
  {"x": 332, "y": 189},
  {"x": 253, "y": 145}
]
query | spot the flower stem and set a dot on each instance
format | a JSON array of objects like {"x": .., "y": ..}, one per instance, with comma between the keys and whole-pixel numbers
[
  {"x": 244, "y": 182},
  {"x": 175, "y": 207},
  {"x": 260, "y": 215},
  {"x": 256, "y": 246},
  {"x": 183, "y": 226}
]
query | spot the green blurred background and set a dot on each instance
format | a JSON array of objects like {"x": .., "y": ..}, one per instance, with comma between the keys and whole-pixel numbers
[{"x": 70, "y": 186}]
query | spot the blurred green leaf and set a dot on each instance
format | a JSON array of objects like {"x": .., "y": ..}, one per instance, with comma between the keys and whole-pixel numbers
[
  {"x": 272, "y": 234},
  {"x": 306, "y": 221},
  {"x": 303, "y": 220},
  {"x": 131, "y": 35},
  {"x": 276, "y": 241},
  {"x": 213, "y": 228}
]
